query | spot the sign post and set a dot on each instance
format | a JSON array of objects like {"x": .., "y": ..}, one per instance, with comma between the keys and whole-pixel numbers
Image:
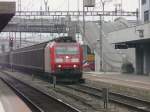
[
  {"x": 54, "y": 81},
  {"x": 105, "y": 94}
]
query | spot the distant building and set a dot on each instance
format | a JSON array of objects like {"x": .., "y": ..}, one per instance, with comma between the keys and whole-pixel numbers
[{"x": 145, "y": 10}]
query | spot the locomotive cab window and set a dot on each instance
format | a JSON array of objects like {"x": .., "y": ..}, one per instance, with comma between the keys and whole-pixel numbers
[{"x": 67, "y": 50}]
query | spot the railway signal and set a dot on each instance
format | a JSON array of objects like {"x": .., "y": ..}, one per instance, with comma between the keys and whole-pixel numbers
[{"x": 11, "y": 43}]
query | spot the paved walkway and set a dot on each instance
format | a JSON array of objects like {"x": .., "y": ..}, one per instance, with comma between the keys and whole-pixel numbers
[
  {"x": 138, "y": 81},
  {"x": 1, "y": 108},
  {"x": 9, "y": 101}
]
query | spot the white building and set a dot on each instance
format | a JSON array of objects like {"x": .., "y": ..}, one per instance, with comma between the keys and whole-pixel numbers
[
  {"x": 145, "y": 10},
  {"x": 138, "y": 38}
]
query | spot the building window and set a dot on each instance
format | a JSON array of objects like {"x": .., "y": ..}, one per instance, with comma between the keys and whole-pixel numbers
[
  {"x": 143, "y": 2},
  {"x": 146, "y": 16}
]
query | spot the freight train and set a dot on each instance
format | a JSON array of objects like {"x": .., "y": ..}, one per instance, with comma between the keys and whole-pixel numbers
[{"x": 61, "y": 57}]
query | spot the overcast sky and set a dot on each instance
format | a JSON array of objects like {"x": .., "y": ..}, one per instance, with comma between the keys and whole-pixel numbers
[{"x": 129, "y": 5}]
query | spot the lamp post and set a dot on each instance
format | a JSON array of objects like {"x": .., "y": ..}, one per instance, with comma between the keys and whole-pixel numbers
[
  {"x": 20, "y": 9},
  {"x": 101, "y": 37},
  {"x": 101, "y": 34},
  {"x": 103, "y": 6},
  {"x": 101, "y": 45},
  {"x": 83, "y": 23},
  {"x": 78, "y": 19}
]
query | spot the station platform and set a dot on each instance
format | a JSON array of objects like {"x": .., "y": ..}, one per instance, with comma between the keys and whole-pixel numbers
[
  {"x": 9, "y": 101},
  {"x": 127, "y": 84}
]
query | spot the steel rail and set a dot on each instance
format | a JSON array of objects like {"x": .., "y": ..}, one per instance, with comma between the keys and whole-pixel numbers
[
  {"x": 29, "y": 103},
  {"x": 43, "y": 102},
  {"x": 127, "y": 101}
]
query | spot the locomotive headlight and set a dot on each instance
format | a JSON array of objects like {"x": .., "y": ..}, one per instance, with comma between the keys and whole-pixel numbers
[
  {"x": 75, "y": 60},
  {"x": 74, "y": 66},
  {"x": 59, "y": 66},
  {"x": 59, "y": 60},
  {"x": 67, "y": 57}
]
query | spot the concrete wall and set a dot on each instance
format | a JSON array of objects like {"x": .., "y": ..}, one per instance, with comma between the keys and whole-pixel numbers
[
  {"x": 147, "y": 59},
  {"x": 139, "y": 60},
  {"x": 143, "y": 59}
]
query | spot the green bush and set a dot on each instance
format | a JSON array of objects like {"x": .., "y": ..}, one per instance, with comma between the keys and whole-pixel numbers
[{"x": 127, "y": 68}]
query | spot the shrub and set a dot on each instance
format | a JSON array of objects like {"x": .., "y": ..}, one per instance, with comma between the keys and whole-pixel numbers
[{"x": 127, "y": 68}]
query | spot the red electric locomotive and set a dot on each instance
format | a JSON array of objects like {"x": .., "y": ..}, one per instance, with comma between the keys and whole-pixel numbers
[{"x": 61, "y": 57}]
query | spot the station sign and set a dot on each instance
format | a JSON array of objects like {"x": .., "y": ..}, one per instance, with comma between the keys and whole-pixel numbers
[
  {"x": 89, "y": 3},
  {"x": 121, "y": 46}
]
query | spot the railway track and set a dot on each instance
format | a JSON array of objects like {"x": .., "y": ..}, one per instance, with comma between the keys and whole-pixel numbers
[
  {"x": 129, "y": 102},
  {"x": 126, "y": 101},
  {"x": 37, "y": 100}
]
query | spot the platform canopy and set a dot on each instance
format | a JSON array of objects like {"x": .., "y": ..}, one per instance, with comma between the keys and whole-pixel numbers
[{"x": 7, "y": 11}]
